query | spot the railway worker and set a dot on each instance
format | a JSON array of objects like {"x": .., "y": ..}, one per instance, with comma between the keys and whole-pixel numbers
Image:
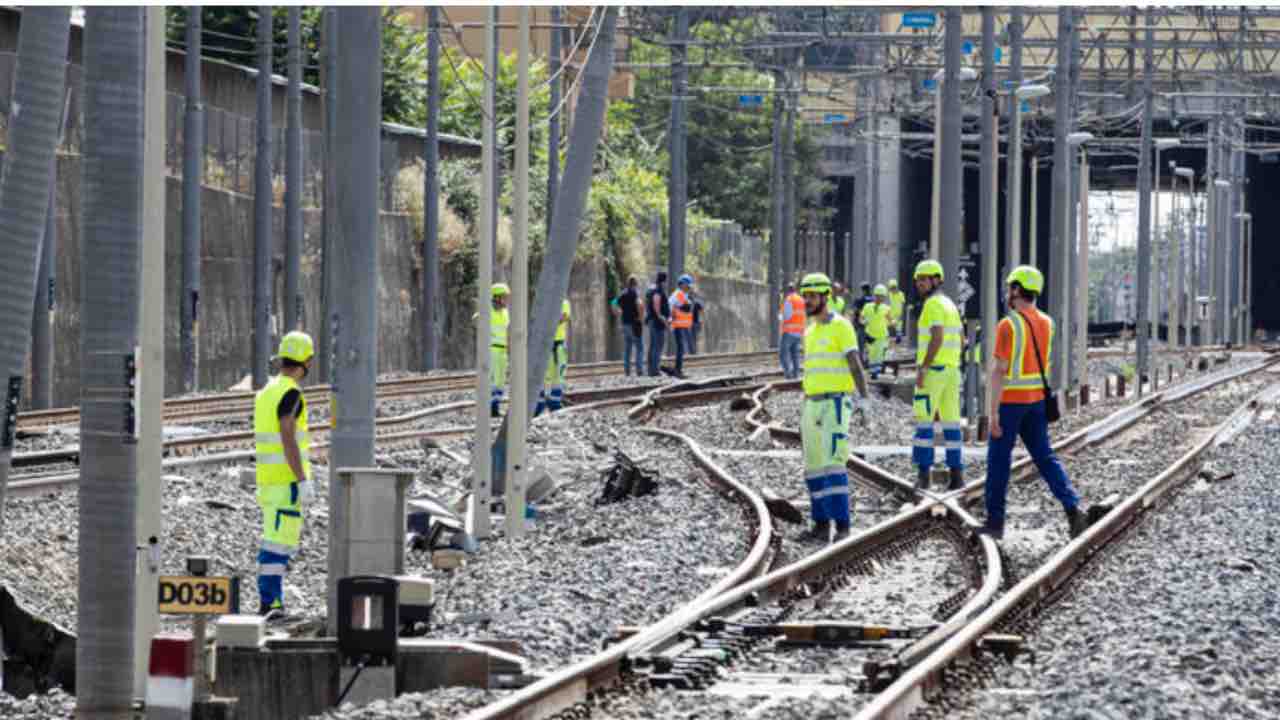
[
  {"x": 629, "y": 309},
  {"x": 939, "y": 345},
  {"x": 791, "y": 318},
  {"x": 837, "y": 298},
  {"x": 657, "y": 317},
  {"x": 898, "y": 304},
  {"x": 1024, "y": 340},
  {"x": 831, "y": 369},
  {"x": 557, "y": 364},
  {"x": 682, "y": 319},
  {"x": 876, "y": 318},
  {"x": 699, "y": 311},
  {"x": 283, "y": 467},
  {"x": 861, "y": 301},
  {"x": 499, "y": 321}
]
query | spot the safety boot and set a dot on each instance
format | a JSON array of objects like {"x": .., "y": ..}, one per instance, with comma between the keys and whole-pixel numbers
[
  {"x": 821, "y": 531},
  {"x": 1076, "y": 522},
  {"x": 957, "y": 479},
  {"x": 994, "y": 533},
  {"x": 842, "y": 532},
  {"x": 922, "y": 479}
]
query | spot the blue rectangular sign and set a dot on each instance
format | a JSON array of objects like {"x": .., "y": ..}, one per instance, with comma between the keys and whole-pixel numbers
[
  {"x": 751, "y": 100},
  {"x": 919, "y": 19},
  {"x": 832, "y": 118}
]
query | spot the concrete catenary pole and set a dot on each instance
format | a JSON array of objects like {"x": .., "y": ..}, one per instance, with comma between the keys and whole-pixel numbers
[
  {"x": 355, "y": 336},
  {"x": 988, "y": 171},
  {"x": 1081, "y": 340},
  {"x": 324, "y": 353},
  {"x": 25, "y": 200},
  {"x": 484, "y": 468},
  {"x": 1144, "y": 203},
  {"x": 952, "y": 231},
  {"x": 1013, "y": 224},
  {"x": 678, "y": 193},
  {"x": 1071, "y": 258},
  {"x": 1059, "y": 241},
  {"x": 192, "y": 174},
  {"x": 553, "y": 280},
  {"x": 45, "y": 312},
  {"x": 789, "y": 213},
  {"x": 1206, "y": 263},
  {"x": 151, "y": 315},
  {"x": 431, "y": 298},
  {"x": 495, "y": 57},
  {"x": 112, "y": 222},
  {"x": 262, "y": 197},
  {"x": 1237, "y": 235},
  {"x": 518, "y": 415},
  {"x": 293, "y": 175},
  {"x": 554, "y": 51}
]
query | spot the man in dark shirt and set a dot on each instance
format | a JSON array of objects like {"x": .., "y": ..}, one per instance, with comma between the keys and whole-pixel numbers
[
  {"x": 629, "y": 309},
  {"x": 865, "y": 298},
  {"x": 657, "y": 317}
]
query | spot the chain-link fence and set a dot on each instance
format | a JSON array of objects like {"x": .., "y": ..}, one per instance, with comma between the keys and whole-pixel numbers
[{"x": 725, "y": 250}]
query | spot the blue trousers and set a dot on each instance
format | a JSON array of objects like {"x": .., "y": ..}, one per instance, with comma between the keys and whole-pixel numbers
[
  {"x": 657, "y": 338},
  {"x": 1028, "y": 421},
  {"x": 684, "y": 340},
  {"x": 633, "y": 339},
  {"x": 789, "y": 355},
  {"x": 693, "y": 338}
]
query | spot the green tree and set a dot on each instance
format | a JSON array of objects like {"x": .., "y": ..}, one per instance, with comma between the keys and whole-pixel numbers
[{"x": 229, "y": 34}]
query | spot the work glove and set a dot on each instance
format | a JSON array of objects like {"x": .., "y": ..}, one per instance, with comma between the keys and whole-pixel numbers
[{"x": 306, "y": 492}]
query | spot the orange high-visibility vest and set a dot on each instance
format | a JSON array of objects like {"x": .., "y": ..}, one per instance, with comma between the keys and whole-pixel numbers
[
  {"x": 795, "y": 325},
  {"x": 680, "y": 318}
]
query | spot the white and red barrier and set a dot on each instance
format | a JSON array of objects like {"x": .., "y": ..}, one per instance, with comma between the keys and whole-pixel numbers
[{"x": 170, "y": 680}]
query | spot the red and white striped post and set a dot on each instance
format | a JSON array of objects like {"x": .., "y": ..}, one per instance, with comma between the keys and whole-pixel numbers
[{"x": 170, "y": 680}]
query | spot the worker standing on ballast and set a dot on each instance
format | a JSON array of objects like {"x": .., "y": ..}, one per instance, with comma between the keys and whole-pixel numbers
[
  {"x": 939, "y": 344},
  {"x": 876, "y": 319},
  {"x": 1024, "y": 340},
  {"x": 499, "y": 321},
  {"x": 283, "y": 467},
  {"x": 791, "y": 316},
  {"x": 898, "y": 304},
  {"x": 831, "y": 369},
  {"x": 682, "y": 320},
  {"x": 557, "y": 365}
]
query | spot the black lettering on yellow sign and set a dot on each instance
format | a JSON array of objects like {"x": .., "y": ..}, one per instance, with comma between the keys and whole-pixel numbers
[{"x": 190, "y": 595}]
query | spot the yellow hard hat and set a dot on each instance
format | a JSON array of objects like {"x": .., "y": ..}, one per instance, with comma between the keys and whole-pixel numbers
[
  {"x": 929, "y": 268},
  {"x": 880, "y": 290},
  {"x": 296, "y": 346},
  {"x": 816, "y": 283},
  {"x": 1031, "y": 279},
  {"x": 500, "y": 289}
]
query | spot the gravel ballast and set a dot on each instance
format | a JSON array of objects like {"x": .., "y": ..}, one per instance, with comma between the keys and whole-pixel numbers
[{"x": 1178, "y": 621}]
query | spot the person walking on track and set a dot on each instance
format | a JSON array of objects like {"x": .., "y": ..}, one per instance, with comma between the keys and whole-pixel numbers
[
  {"x": 939, "y": 344},
  {"x": 791, "y": 316}
]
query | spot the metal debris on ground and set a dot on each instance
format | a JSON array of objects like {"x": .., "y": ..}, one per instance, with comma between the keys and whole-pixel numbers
[{"x": 624, "y": 478}]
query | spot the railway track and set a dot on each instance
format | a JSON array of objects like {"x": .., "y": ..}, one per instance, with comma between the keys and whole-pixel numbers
[
  {"x": 205, "y": 407},
  {"x": 792, "y": 605}
]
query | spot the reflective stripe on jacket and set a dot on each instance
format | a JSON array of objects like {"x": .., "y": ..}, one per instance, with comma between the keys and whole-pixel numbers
[
  {"x": 1024, "y": 367},
  {"x": 794, "y": 325},
  {"x": 680, "y": 318},
  {"x": 939, "y": 310}
]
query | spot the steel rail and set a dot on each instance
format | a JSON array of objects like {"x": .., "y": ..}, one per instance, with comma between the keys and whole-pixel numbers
[
  {"x": 572, "y": 684},
  {"x": 909, "y": 690},
  {"x": 242, "y": 401}
]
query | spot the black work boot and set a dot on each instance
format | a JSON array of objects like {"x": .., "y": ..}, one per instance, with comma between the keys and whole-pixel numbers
[
  {"x": 821, "y": 531},
  {"x": 957, "y": 479},
  {"x": 922, "y": 479},
  {"x": 842, "y": 532},
  {"x": 1076, "y": 522},
  {"x": 994, "y": 533}
]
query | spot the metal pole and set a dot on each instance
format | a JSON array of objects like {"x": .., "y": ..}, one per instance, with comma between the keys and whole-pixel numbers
[
  {"x": 1153, "y": 302},
  {"x": 1074, "y": 371},
  {"x": 1231, "y": 305},
  {"x": 554, "y": 52},
  {"x": 1248, "y": 283},
  {"x": 1081, "y": 348},
  {"x": 1209, "y": 273},
  {"x": 42, "y": 324},
  {"x": 149, "y": 523},
  {"x": 1035, "y": 212},
  {"x": 355, "y": 332},
  {"x": 192, "y": 177},
  {"x": 262, "y": 245},
  {"x": 1060, "y": 239},
  {"x": 431, "y": 298},
  {"x": 496, "y": 52},
  {"x": 112, "y": 219},
  {"x": 952, "y": 169},
  {"x": 478, "y": 512},
  {"x": 519, "y": 411},
  {"x": 989, "y": 173},
  {"x": 293, "y": 176},
  {"x": 679, "y": 190},
  {"x": 1174, "y": 263},
  {"x": 1144, "y": 205},
  {"x": 935, "y": 188},
  {"x": 328, "y": 264},
  {"x": 1193, "y": 256},
  {"x": 777, "y": 278},
  {"x": 1013, "y": 226},
  {"x": 789, "y": 191}
]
